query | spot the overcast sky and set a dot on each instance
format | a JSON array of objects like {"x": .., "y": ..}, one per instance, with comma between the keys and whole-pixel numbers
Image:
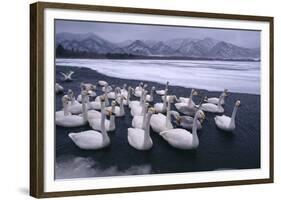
[{"x": 116, "y": 32}]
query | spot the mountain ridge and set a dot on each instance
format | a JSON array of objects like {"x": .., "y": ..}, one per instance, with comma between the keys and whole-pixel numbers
[{"x": 206, "y": 48}]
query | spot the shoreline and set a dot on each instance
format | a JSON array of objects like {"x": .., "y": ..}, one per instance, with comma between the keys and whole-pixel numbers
[{"x": 145, "y": 81}]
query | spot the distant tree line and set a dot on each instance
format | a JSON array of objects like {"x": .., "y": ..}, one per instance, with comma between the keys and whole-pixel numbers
[
  {"x": 61, "y": 52},
  {"x": 66, "y": 53}
]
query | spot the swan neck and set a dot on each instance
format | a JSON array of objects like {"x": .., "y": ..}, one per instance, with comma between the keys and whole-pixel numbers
[
  {"x": 147, "y": 126},
  {"x": 65, "y": 108},
  {"x": 232, "y": 121},
  {"x": 84, "y": 108},
  {"x": 103, "y": 131},
  {"x": 128, "y": 96},
  {"x": 151, "y": 95},
  {"x": 168, "y": 116},
  {"x": 190, "y": 99},
  {"x": 165, "y": 101},
  {"x": 195, "y": 139},
  {"x": 144, "y": 121},
  {"x": 112, "y": 122},
  {"x": 220, "y": 101}
]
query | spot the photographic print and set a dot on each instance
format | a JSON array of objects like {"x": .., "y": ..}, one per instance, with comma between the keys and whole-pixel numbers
[
  {"x": 136, "y": 99},
  {"x": 130, "y": 99}
]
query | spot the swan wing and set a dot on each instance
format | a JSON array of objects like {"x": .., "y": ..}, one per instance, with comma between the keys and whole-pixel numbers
[
  {"x": 96, "y": 124},
  {"x": 136, "y": 138},
  {"x": 70, "y": 74},
  {"x": 160, "y": 92},
  {"x": 64, "y": 75},
  {"x": 70, "y": 121},
  {"x": 158, "y": 122},
  {"x": 223, "y": 121},
  {"x": 213, "y": 100},
  {"x": 159, "y": 107},
  {"x": 209, "y": 107},
  {"x": 178, "y": 138},
  {"x": 88, "y": 140}
]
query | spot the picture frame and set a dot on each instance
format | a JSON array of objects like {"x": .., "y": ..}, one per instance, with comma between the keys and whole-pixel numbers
[{"x": 38, "y": 87}]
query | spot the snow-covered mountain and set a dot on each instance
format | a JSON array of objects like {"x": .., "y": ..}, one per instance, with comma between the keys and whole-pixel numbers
[{"x": 206, "y": 48}]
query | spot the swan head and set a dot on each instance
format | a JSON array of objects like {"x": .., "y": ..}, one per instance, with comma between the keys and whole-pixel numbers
[
  {"x": 201, "y": 114},
  {"x": 194, "y": 92},
  {"x": 237, "y": 103},
  {"x": 151, "y": 110},
  {"x": 141, "y": 84},
  {"x": 102, "y": 98},
  {"x": 65, "y": 99},
  {"x": 225, "y": 91},
  {"x": 124, "y": 86},
  {"x": 113, "y": 103},
  {"x": 93, "y": 87},
  {"x": 172, "y": 98},
  {"x": 82, "y": 86},
  {"x": 69, "y": 92}
]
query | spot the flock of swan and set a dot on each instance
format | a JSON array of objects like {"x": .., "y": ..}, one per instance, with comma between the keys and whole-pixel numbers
[{"x": 147, "y": 114}]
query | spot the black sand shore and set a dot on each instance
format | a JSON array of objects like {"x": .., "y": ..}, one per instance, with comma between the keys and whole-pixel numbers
[{"x": 217, "y": 149}]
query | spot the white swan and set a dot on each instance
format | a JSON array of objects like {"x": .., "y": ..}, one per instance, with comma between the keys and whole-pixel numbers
[
  {"x": 71, "y": 96},
  {"x": 90, "y": 88},
  {"x": 140, "y": 139},
  {"x": 138, "y": 92},
  {"x": 67, "y": 76},
  {"x": 139, "y": 103},
  {"x": 115, "y": 94},
  {"x": 161, "y": 107},
  {"x": 119, "y": 111},
  {"x": 102, "y": 83},
  {"x": 139, "y": 120},
  {"x": 95, "y": 123},
  {"x": 209, "y": 107},
  {"x": 64, "y": 112},
  {"x": 76, "y": 107},
  {"x": 189, "y": 100},
  {"x": 58, "y": 88},
  {"x": 139, "y": 87},
  {"x": 187, "y": 106},
  {"x": 162, "y": 92},
  {"x": 149, "y": 97},
  {"x": 186, "y": 121},
  {"x": 138, "y": 110},
  {"x": 227, "y": 123},
  {"x": 160, "y": 122},
  {"x": 181, "y": 138},
  {"x": 124, "y": 91},
  {"x": 91, "y": 140},
  {"x": 215, "y": 100},
  {"x": 74, "y": 120},
  {"x": 126, "y": 101}
]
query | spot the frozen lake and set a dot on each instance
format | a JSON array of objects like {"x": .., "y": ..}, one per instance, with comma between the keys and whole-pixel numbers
[{"x": 241, "y": 77}]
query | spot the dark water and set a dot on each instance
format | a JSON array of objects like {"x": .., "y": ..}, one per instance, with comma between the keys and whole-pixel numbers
[{"x": 217, "y": 149}]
